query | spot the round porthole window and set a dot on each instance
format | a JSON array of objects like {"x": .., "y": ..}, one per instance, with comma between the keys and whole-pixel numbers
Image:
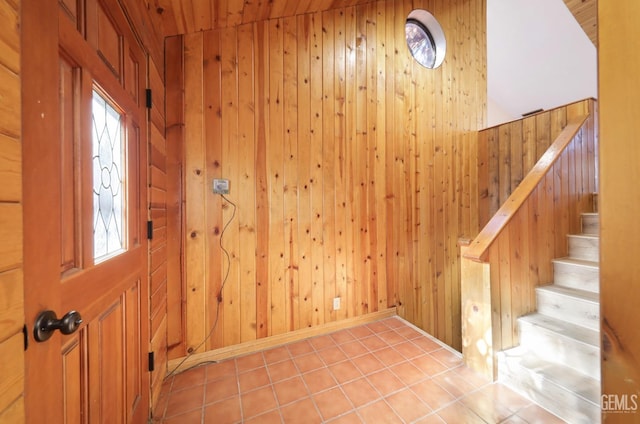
[{"x": 425, "y": 38}]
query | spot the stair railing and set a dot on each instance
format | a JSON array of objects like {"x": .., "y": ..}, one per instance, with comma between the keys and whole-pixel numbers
[{"x": 512, "y": 254}]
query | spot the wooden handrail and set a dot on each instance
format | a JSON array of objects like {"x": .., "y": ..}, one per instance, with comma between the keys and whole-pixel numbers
[{"x": 479, "y": 247}]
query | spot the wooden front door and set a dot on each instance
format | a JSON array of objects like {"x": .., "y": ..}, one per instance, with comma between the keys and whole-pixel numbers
[{"x": 84, "y": 120}]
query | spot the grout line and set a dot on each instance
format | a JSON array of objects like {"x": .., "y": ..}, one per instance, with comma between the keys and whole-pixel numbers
[{"x": 373, "y": 353}]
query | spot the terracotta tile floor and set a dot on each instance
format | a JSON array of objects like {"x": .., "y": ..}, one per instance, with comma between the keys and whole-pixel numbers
[{"x": 384, "y": 372}]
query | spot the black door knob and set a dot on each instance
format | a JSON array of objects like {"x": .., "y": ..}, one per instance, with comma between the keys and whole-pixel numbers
[{"x": 47, "y": 322}]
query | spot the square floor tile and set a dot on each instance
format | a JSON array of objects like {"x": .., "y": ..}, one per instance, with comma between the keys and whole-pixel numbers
[
  {"x": 344, "y": 372},
  {"x": 250, "y": 362},
  {"x": 379, "y": 412},
  {"x": 301, "y": 412},
  {"x": 407, "y": 405},
  {"x": 253, "y": 379},
  {"x": 433, "y": 394},
  {"x": 221, "y": 389},
  {"x": 308, "y": 362},
  {"x": 258, "y": 402},
  {"x": 224, "y": 412},
  {"x": 185, "y": 400},
  {"x": 291, "y": 390},
  {"x": 368, "y": 364},
  {"x": 342, "y": 336},
  {"x": 361, "y": 392},
  {"x": 319, "y": 380},
  {"x": 332, "y": 355},
  {"x": 277, "y": 354},
  {"x": 332, "y": 403},
  {"x": 282, "y": 370},
  {"x": 221, "y": 369}
]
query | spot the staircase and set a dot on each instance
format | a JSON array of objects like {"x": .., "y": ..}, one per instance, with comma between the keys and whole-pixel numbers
[{"x": 558, "y": 361}]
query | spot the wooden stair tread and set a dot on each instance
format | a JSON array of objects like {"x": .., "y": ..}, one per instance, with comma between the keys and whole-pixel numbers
[
  {"x": 585, "y": 295},
  {"x": 577, "y": 262},
  {"x": 563, "y": 328},
  {"x": 588, "y": 236},
  {"x": 562, "y": 376}
]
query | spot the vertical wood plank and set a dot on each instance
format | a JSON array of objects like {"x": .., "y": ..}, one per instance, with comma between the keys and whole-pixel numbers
[
  {"x": 214, "y": 212},
  {"x": 505, "y": 159},
  {"x": 339, "y": 159},
  {"x": 516, "y": 153},
  {"x": 304, "y": 169},
  {"x": 263, "y": 231},
  {"x": 276, "y": 177},
  {"x": 175, "y": 162},
  {"x": 380, "y": 168},
  {"x": 349, "y": 158},
  {"x": 231, "y": 296},
  {"x": 316, "y": 180},
  {"x": 329, "y": 177},
  {"x": 291, "y": 171},
  {"x": 245, "y": 173},
  {"x": 506, "y": 295},
  {"x": 195, "y": 246},
  {"x": 371, "y": 153}
]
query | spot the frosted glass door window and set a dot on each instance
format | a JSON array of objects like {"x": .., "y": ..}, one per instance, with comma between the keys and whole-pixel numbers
[{"x": 108, "y": 180}]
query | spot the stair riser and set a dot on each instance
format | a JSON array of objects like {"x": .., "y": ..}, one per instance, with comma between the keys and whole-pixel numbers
[
  {"x": 587, "y": 249},
  {"x": 570, "y": 309},
  {"x": 590, "y": 224},
  {"x": 559, "y": 400},
  {"x": 576, "y": 276},
  {"x": 551, "y": 346}
]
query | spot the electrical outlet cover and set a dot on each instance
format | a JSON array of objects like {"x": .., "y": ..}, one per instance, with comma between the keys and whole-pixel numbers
[{"x": 220, "y": 186}]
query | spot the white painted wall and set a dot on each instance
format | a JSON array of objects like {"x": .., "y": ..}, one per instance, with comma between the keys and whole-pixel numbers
[{"x": 538, "y": 57}]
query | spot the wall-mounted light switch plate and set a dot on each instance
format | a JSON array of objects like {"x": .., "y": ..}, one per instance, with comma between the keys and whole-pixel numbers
[
  {"x": 336, "y": 303},
  {"x": 220, "y": 186}
]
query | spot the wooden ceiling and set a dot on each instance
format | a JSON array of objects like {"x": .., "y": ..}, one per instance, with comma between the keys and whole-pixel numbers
[
  {"x": 187, "y": 16},
  {"x": 586, "y": 13}
]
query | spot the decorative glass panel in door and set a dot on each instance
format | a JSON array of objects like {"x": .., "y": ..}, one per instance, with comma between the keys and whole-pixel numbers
[{"x": 109, "y": 194}]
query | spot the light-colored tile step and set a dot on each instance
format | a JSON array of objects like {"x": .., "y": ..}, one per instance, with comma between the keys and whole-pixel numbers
[
  {"x": 584, "y": 246},
  {"x": 556, "y": 340},
  {"x": 573, "y": 396},
  {"x": 576, "y": 306},
  {"x": 590, "y": 223},
  {"x": 576, "y": 273}
]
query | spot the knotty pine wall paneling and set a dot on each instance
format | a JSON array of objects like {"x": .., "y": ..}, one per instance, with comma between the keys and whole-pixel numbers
[
  {"x": 11, "y": 239},
  {"x": 507, "y": 152},
  {"x": 158, "y": 245},
  {"x": 174, "y": 102},
  {"x": 353, "y": 170}
]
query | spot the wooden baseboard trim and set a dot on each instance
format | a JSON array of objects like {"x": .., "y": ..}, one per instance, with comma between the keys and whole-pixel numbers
[{"x": 181, "y": 364}]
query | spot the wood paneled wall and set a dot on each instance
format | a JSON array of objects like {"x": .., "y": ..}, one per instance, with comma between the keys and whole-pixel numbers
[
  {"x": 11, "y": 280},
  {"x": 507, "y": 153},
  {"x": 519, "y": 257},
  {"x": 352, "y": 169},
  {"x": 619, "y": 202},
  {"x": 188, "y": 16},
  {"x": 150, "y": 32},
  {"x": 158, "y": 216}
]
